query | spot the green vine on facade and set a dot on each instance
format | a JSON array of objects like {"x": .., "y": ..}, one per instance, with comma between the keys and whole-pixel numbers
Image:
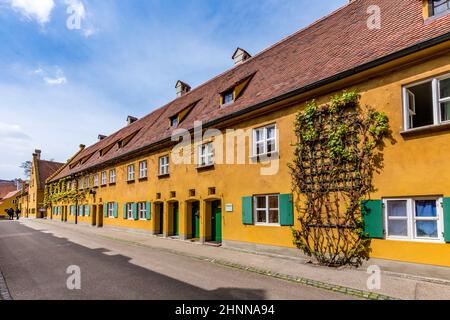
[
  {"x": 339, "y": 150},
  {"x": 64, "y": 191}
]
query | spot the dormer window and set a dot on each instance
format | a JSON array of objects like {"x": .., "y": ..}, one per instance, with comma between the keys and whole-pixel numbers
[
  {"x": 228, "y": 97},
  {"x": 437, "y": 7},
  {"x": 174, "y": 121}
]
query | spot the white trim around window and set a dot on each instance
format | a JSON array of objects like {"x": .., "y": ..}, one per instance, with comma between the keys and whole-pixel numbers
[
  {"x": 265, "y": 141},
  {"x": 143, "y": 169},
  {"x": 414, "y": 219},
  {"x": 130, "y": 172},
  {"x": 104, "y": 178},
  {"x": 440, "y": 87},
  {"x": 266, "y": 210},
  {"x": 111, "y": 210},
  {"x": 112, "y": 176},
  {"x": 206, "y": 155},
  {"x": 164, "y": 165},
  {"x": 96, "y": 180},
  {"x": 142, "y": 210},
  {"x": 129, "y": 207}
]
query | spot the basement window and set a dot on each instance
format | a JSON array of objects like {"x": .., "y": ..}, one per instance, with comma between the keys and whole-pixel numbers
[
  {"x": 427, "y": 103},
  {"x": 438, "y": 7}
]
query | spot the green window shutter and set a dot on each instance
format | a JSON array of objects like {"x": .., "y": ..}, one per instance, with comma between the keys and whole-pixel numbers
[
  {"x": 372, "y": 212},
  {"x": 87, "y": 210},
  {"x": 446, "y": 205},
  {"x": 135, "y": 213},
  {"x": 149, "y": 211},
  {"x": 247, "y": 210},
  {"x": 286, "y": 210},
  {"x": 116, "y": 210},
  {"x": 125, "y": 215},
  {"x": 105, "y": 210}
]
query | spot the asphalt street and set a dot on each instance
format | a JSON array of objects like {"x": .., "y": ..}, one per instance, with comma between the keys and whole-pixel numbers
[{"x": 35, "y": 264}]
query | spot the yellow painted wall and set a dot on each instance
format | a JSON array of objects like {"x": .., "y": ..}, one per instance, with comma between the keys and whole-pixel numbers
[
  {"x": 6, "y": 204},
  {"x": 409, "y": 171}
]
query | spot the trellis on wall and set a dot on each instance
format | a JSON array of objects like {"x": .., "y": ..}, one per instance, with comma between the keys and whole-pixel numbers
[{"x": 338, "y": 151}]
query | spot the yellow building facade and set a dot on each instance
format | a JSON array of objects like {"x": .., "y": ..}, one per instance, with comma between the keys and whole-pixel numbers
[{"x": 246, "y": 202}]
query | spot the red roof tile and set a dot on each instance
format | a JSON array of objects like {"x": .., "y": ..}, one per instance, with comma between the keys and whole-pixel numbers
[
  {"x": 7, "y": 187},
  {"x": 46, "y": 169},
  {"x": 335, "y": 44}
]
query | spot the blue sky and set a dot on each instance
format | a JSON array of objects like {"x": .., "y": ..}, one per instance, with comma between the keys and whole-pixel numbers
[{"x": 60, "y": 86}]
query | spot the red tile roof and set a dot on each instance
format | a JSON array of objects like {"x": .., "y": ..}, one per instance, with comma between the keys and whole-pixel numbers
[
  {"x": 46, "y": 169},
  {"x": 337, "y": 43},
  {"x": 6, "y": 187}
]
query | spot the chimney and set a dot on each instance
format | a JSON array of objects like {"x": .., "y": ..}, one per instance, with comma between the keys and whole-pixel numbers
[
  {"x": 131, "y": 119},
  {"x": 101, "y": 137},
  {"x": 37, "y": 154},
  {"x": 182, "y": 88},
  {"x": 240, "y": 55}
]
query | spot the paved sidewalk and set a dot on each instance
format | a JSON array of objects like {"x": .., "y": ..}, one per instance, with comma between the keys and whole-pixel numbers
[{"x": 426, "y": 282}]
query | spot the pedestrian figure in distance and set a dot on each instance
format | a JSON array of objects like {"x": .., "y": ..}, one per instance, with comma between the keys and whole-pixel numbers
[
  {"x": 11, "y": 213},
  {"x": 17, "y": 213}
]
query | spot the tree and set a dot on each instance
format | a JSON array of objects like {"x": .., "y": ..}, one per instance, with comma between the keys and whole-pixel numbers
[
  {"x": 26, "y": 166},
  {"x": 339, "y": 148}
]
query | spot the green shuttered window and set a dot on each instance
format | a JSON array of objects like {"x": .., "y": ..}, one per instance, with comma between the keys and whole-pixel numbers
[
  {"x": 446, "y": 204},
  {"x": 149, "y": 211},
  {"x": 268, "y": 210},
  {"x": 247, "y": 210},
  {"x": 286, "y": 210},
  {"x": 372, "y": 212}
]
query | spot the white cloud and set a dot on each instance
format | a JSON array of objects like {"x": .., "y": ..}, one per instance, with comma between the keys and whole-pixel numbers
[
  {"x": 55, "y": 81},
  {"x": 40, "y": 10}
]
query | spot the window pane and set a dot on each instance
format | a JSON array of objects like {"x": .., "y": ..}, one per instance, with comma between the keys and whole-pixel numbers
[
  {"x": 273, "y": 202},
  {"x": 397, "y": 208},
  {"x": 259, "y": 135},
  {"x": 271, "y": 133},
  {"x": 273, "y": 216},
  {"x": 445, "y": 88},
  {"x": 260, "y": 148},
  {"x": 445, "y": 111},
  {"x": 261, "y": 202},
  {"x": 424, "y": 105},
  {"x": 426, "y": 208},
  {"x": 261, "y": 216},
  {"x": 398, "y": 228},
  {"x": 427, "y": 229}
]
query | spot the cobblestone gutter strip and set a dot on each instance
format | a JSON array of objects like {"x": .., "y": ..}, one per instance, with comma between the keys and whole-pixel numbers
[
  {"x": 361, "y": 294},
  {"x": 4, "y": 291}
]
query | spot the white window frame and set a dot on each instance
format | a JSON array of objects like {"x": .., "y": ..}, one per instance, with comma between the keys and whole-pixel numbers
[
  {"x": 266, "y": 210},
  {"x": 143, "y": 169},
  {"x": 104, "y": 178},
  {"x": 80, "y": 184},
  {"x": 130, "y": 172},
  {"x": 110, "y": 209},
  {"x": 409, "y": 111},
  {"x": 129, "y": 207},
  {"x": 88, "y": 183},
  {"x": 412, "y": 219},
  {"x": 265, "y": 140},
  {"x": 206, "y": 155},
  {"x": 96, "y": 180},
  {"x": 142, "y": 210},
  {"x": 164, "y": 165},
  {"x": 112, "y": 176}
]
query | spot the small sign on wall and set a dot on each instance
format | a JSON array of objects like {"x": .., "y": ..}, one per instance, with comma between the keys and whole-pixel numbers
[{"x": 229, "y": 207}]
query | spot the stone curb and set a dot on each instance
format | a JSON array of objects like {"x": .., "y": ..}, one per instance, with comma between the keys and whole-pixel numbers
[{"x": 4, "y": 291}]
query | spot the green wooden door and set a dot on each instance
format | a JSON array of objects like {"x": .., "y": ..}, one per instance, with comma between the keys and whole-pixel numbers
[
  {"x": 196, "y": 220},
  {"x": 216, "y": 221},
  {"x": 175, "y": 219}
]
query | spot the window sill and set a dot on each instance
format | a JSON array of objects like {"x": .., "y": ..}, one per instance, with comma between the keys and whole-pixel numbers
[
  {"x": 164, "y": 176},
  {"x": 265, "y": 157},
  {"x": 131, "y": 181},
  {"x": 206, "y": 167},
  {"x": 430, "y": 241},
  {"x": 103, "y": 186},
  {"x": 112, "y": 184},
  {"x": 267, "y": 225},
  {"x": 143, "y": 179},
  {"x": 425, "y": 130}
]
